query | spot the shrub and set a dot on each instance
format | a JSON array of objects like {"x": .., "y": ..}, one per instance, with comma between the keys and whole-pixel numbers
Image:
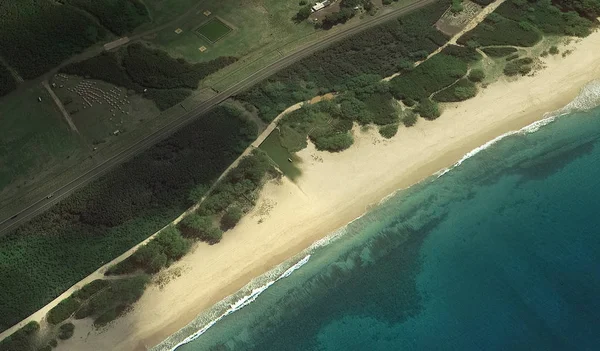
[
  {"x": 409, "y": 118},
  {"x": 464, "y": 89},
  {"x": 432, "y": 75},
  {"x": 63, "y": 310},
  {"x": 388, "y": 131},
  {"x": 90, "y": 289},
  {"x": 122, "y": 293},
  {"x": 53, "y": 343},
  {"x": 466, "y": 54},
  {"x": 231, "y": 217},
  {"x": 7, "y": 82},
  {"x": 502, "y": 31},
  {"x": 22, "y": 339},
  {"x": 476, "y": 75},
  {"x": 333, "y": 143},
  {"x": 499, "y": 52},
  {"x": 553, "y": 50},
  {"x": 66, "y": 331},
  {"x": 428, "y": 109},
  {"x": 200, "y": 227}
]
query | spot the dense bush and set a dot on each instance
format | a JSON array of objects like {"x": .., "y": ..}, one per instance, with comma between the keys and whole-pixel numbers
[
  {"x": 476, "y": 75},
  {"x": 119, "y": 16},
  {"x": 428, "y": 109},
  {"x": 376, "y": 51},
  {"x": 156, "y": 69},
  {"x": 22, "y": 339},
  {"x": 109, "y": 303},
  {"x": 432, "y": 75},
  {"x": 115, "y": 212},
  {"x": 499, "y": 51},
  {"x": 466, "y": 54},
  {"x": 498, "y": 30},
  {"x": 38, "y": 35},
  {"x": 63, "y": 310},
  {"x": 66, "y": 331},
  {"x": 546, "y": 17},
  {"x": 381, "y": 109},
  {"x": 232, "y": 216},
  {"x": 521, "y": 66},
  {"x": 463, "y": 90},
  {"x": 90, "y": 289},
  {"x": 388, "y": 131},
  {"x": 409, "y": 118},
  {"x": 166, "y": 98},
  {"x": 586, "y": 8},
  {"x": 200, "y": 227},
  {"x": 7, "y": 81}
]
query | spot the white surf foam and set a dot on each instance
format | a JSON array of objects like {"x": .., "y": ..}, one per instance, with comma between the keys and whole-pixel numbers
[
  {"x": 243, "y": 302},
  {"x": 588, "y": 99}
]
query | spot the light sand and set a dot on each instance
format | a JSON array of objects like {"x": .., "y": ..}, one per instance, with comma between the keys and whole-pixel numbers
[{"x": 333, "y": 190}]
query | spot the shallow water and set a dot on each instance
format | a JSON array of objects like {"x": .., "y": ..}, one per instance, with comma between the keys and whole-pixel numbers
[{"x": 500, "y": 253}]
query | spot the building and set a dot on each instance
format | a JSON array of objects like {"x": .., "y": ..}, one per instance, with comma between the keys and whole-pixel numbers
[{"x": 320, "y": 5}]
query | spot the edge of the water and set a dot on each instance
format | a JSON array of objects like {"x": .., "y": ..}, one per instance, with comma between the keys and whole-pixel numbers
[{"x": 588, "y": 98}]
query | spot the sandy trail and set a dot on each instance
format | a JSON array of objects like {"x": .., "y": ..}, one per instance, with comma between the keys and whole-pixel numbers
[{"x": 336, "y": 188}]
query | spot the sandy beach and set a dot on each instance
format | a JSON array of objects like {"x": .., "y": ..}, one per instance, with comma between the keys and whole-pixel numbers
[{"x": 334, "y": 189}]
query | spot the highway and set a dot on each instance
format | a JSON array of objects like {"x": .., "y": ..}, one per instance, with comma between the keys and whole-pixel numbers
[{"x": 299, "y": 53}]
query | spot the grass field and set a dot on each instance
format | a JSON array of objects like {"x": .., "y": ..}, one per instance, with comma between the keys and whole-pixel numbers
[
  {"x": 33, "y": 138},
  {"x": 263, "y": 25},
  {"x": 213, "y": 30}
]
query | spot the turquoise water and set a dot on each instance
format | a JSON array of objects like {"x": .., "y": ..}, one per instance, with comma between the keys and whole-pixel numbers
[{"x": 500, "y": 253}]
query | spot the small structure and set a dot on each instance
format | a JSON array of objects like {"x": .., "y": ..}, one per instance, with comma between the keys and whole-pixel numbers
[
  {"x": 202, "y": 48},
  {"x": 178, "y": 31},
  {"x": 207, "y": 13},
  {"x": 320, "y": 5}
]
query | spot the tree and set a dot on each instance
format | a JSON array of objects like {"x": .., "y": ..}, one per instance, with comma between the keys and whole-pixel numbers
[
  {"x": 303, "y": 13},
  {"x": 428, "y": 109},
  {"x": 476, "y": 75},
  {"x": 231, "y": 217}
]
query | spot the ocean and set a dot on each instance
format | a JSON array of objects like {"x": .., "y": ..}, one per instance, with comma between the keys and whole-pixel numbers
[{"x": 499, "y": 252}]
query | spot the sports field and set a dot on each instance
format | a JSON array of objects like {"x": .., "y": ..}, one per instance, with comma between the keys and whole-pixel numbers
[{"x": 213, "y": 30}]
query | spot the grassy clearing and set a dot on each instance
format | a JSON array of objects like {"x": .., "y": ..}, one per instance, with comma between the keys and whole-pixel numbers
[
  {"x": 261, "y": 26},
  {"x": 33, "y": 137},
  {"x": 214, "y": 30}
]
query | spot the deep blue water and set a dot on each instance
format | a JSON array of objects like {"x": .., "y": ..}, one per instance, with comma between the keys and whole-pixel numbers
[{"x": 500, "y": 253}]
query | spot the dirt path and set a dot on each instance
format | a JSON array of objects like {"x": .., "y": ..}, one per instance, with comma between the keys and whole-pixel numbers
[
  {"x": 472, "y": 24},
  {"x": 60, "y": 106}
]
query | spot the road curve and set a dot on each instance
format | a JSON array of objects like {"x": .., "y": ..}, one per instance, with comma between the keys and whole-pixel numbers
[{"x": 299, "y": 53}]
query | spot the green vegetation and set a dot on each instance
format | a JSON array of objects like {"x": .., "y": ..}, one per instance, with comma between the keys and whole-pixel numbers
[
  {"x": 428, "y": 109},
  {"x": 33, "y": 137},
  {"x": 165, "y": 248},
  {"x": 464, "y": 53},
  {"x": 376, "y": 51},
  {"x": 521, "y": 66},
  {"x": 38, "y": 35},
  {"x": 432, "y": 75},
  {"x": 553, "y": 50},
  {"x": 213, "y": 30},
  {"x": 548, "y": 18},
  {"x": 90, "y": 289},
  {"x": 521, "y": 23},
  {"x": 498, "y": 30},
  {"x": 499, "y": 51},
  {"x": 232, "y": 216},
  {"x": 462, "y": 90},
  {"x": 22, "y": 339},
  {"x": 118, "y": 16},
  {"x": 201, "y": 227},
  {"x": 111, "y": 302},
  {"x": 476, "y": 75},
  {"x": 388, "y": 131},
  {"x": 66, "y": 331},
  {"x": 63, "y": 310},
  {"x": 153, "y": 73},
  {"x": 115, "y": 212},
  {"x": 457, "y": 6},
  {"x": 348, "y": 9},
  {"x": 409, "y": 118},
  {"x": 7, "y": 81}
]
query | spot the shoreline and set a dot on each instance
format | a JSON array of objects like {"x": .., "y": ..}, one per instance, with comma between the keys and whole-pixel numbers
[{"x": 335, "y": 189}]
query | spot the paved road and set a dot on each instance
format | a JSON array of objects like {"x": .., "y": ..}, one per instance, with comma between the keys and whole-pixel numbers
[{"x": 301, "y": 52}]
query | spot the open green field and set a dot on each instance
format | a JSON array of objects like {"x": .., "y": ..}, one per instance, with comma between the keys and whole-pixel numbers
[
  {"x": 33, "y": 138},
  {"x": 213, "y": 30},
  {"x": 261, "y": 26}
]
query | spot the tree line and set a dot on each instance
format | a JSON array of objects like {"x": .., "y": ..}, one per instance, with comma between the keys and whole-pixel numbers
[
  {"x": 153, "y": 73},
  {"x": 49, "y": 254}
]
